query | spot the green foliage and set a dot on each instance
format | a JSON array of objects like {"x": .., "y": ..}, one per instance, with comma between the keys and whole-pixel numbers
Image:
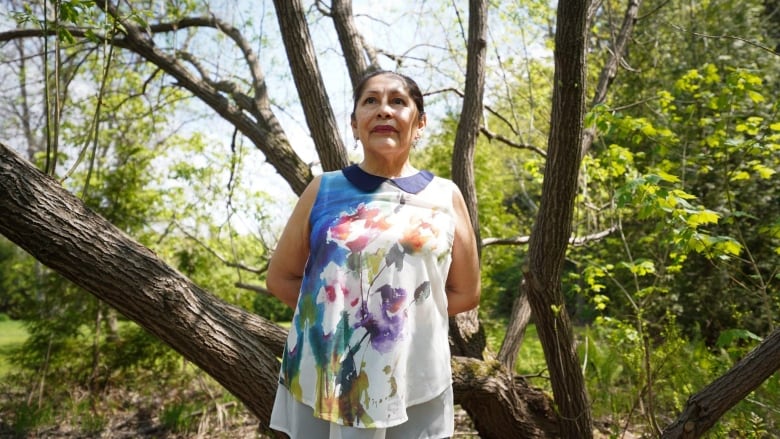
[
  {"x": 12, "y": 335},
  {"x": 27, "y": 417},
  {"x": 616, "y": 379},
  {"x": 177, "y": 417},
  {"x": 682, "y": 195},
  {"x": 91, "y": 423}
]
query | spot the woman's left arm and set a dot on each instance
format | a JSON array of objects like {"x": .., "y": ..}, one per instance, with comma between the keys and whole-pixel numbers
[{"x": 463, "y": 280}]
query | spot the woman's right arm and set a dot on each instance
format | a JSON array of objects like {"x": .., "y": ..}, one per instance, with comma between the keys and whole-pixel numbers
[{"x": 285, "y": 271}]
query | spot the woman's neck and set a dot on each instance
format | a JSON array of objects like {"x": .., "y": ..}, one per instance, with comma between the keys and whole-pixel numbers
[{"x": 387, "y": 170}]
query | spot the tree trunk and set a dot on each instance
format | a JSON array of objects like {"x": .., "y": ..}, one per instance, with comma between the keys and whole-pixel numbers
[
  {"x": 308, "y": 82},
  {"x": 521, "y": 312},
  {"x": 466, "y": 333},
  {"x": 351, "y": 42},
  {"x": 550, "y": 236},
  {"x": 515, "y": 331}
]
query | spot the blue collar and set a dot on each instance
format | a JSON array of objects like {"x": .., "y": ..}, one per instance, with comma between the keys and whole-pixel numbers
[{"x": 366, "y": 182}]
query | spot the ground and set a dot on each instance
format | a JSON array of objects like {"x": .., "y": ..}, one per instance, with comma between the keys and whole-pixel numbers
[{"x": 141, "y": 418}]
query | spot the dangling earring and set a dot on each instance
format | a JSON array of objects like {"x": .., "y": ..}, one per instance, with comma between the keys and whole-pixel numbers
[{"x": 356, "y": 144}]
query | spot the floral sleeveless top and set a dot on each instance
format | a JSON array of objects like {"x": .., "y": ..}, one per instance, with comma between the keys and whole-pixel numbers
[{"x": 369, "y": 336}]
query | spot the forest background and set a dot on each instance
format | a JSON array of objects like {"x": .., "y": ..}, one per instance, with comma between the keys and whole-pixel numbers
[{"x": 670, "y": 278}]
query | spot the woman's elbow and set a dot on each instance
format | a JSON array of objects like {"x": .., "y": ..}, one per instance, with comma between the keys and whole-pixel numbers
[{"x": 463, "y": 301}]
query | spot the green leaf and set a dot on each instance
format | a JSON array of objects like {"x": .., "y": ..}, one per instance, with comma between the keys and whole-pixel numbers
[
  {"x": 702, "y": 217},
  {"x": 730, "y": 246},
  {"x": 755, "y": 96},
  {"x": 727, "y": 337},
  {"x": 668, "y": 177},
  {"x": 764, "y": 172}
]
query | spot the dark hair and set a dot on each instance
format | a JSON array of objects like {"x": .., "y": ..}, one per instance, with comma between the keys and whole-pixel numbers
[{"x": 411, "y": 87}]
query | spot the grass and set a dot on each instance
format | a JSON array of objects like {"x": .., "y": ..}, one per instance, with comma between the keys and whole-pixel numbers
[
  {"x": 12, "y": 334},
  {"x": 530, "y": 359}
]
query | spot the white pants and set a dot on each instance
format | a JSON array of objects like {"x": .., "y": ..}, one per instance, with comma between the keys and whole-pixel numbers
[{"x": 434, "y": 419}]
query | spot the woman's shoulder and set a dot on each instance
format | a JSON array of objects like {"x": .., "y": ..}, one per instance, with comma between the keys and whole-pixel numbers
[{"x": 443, "y": 183}]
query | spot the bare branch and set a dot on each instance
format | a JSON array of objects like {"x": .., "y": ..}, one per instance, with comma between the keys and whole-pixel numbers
[
  {"x": 618, "y": 49},
  {"x": 575, "y": 241},
  {"x": 731, "y": 37},
  {"x": 490, "y": 135},
  {"x": 230, "y": 88},
  {"x": 219, "y": 256},
  {"x": 255, "y": 288},
  {"x": 609, "y": 72}
]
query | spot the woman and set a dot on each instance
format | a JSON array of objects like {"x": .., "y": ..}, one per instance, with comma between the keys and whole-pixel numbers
[{"x": 374, "y": 259}]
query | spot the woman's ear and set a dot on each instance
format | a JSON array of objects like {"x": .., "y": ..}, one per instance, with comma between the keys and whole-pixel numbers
[
  {"x": 423, "y": 121},
  {"x": 353, "y": 124}
]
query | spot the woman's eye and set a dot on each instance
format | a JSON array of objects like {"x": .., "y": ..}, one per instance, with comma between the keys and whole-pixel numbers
[
  {"x": 370, "y": 100},
  {"x": 399, "y": 101}
]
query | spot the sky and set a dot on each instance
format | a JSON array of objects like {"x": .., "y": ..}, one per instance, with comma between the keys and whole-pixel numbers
[
  {"x": 394, "y": 26},
  {"x": 425, "y": 36}
]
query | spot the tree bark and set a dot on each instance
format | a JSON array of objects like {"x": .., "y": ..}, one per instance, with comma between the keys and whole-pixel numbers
[
  {"x": 466, "y": 333},
  {"x": 515, "y": 331},
  {"x": 308, "y": 82},
  {"x": 550, "y": 236},
  {"x": 501, "y": 404},
  {"x": 707, "y": 406},
  {"x": 471, "y": 112},
  {"x": 521, "y": 312},
  {"x": 352, "y": 44}
]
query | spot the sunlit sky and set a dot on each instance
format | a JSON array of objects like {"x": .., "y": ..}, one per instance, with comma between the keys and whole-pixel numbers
[{"x": 424, "y": 37}]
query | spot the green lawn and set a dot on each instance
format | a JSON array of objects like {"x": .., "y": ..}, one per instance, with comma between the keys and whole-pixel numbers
[{"x": 12, "y": 333}]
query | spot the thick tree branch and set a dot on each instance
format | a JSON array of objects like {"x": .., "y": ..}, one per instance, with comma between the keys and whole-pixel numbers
[
  {"x": 309, "y": 84},
  {"x": 707, "y": 406},
  {"x": 237, "y": 348},
  {"x": 521, "y": 314},
  {"x": 501, "y": 404},
  {"x": 609, "y": 72},
  {"x": 262, "y": 128},
  {"x": 466, "y": 334},
  {"x": 265, "y": 132},
  {"x": 552, "y": 229},
  {"x": 352, "y": 43}
]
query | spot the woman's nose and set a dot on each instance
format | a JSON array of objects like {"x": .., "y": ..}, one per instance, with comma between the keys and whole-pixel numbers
[{"x": 384, "y": 110}]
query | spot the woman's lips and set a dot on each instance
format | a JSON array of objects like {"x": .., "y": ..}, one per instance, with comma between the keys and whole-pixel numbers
[{"x": 383, "y": 129}]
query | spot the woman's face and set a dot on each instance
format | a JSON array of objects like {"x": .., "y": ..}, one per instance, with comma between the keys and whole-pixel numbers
[{"x": 386, "y": 120}]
